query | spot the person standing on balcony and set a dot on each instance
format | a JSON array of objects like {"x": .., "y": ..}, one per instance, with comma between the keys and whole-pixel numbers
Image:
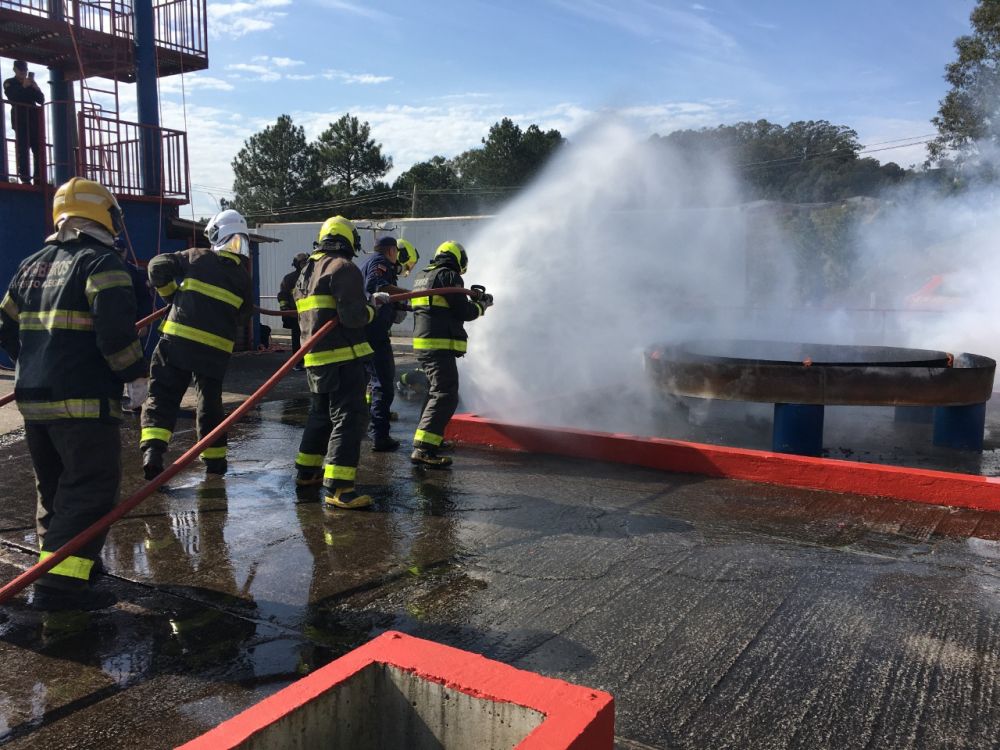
[{"x": 26, "y": 97}]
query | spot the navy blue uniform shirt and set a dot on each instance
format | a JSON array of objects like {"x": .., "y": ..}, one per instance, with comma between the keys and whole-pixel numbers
[{"x": 379, "y": 272}]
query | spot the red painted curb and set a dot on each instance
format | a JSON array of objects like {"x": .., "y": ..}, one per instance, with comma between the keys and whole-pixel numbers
[
  {"x": 576, "y": 718},
  {"x": 894, "y": 482}
]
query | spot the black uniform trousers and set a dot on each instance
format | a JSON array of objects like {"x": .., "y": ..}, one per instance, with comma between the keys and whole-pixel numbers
[
  {"x": 336, "y": 423},
  {"x": 441, "y": 401},
  {"x": 167, "y": 385},
  {"x": 381, "y": 371},
  {"x": 296, "y": 333},
  {"x": 26, "y": 139},
  {"x": 78, "y": 471}
]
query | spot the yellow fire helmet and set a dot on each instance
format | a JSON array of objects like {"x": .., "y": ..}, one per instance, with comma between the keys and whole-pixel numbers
[
  {"x": 338, "y": 226},
  {"x": 88, "y": 200},
  {"x": 454, "y": 248},
  {"x": 408, "y": 256}
]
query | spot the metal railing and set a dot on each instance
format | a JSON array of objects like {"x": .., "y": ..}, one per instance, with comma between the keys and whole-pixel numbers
[
  {"x": 112, "y": 151},
  {"x": 180, "y": 25},
  {"x": 126, "y": 156}
]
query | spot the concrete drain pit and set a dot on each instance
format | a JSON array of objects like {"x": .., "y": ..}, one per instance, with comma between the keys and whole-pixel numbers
[{"x": 402, "y": 693}]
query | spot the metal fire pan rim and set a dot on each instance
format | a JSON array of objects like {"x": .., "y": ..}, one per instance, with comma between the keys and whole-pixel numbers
[{"x": 969, "y": 381}]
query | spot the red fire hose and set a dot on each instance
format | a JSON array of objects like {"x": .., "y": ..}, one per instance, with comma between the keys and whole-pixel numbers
[
  {"x": 39, "y": 569},
  {"x": 4, "y": 400}
]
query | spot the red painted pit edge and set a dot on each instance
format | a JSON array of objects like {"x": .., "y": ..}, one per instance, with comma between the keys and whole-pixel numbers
[
  {"x": 576, "y": 718},
  {"x": 894, "y": 482}
]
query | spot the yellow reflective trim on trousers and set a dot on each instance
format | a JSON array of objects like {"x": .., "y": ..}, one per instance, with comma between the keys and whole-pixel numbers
[
  {"x": 343, "y": 354},
  {"x": 126, "y": 357},
  {"x": 213, "y": 291},
  {"x": 309, "y": 459},
  {"x": 210, "y": 453},
  {"x": 106, "y": 280},
  {"x": 155, "y": 433},
  {"x": 167, "y": 289},
  {"x": 71, "y": 408},
  {"x": 173, "y": 328},
  {"x": 316, "y": 302},
  {"x": 434, "y": 301},
  {"x": 333, "y": 471},
  {"x": 10, "y": 307},
  {"x": 71, "y": 567},
  {"x": 428, "y": 437},
  {"x": 50, "y": 320},
  {"x": 452, "y": 345}
]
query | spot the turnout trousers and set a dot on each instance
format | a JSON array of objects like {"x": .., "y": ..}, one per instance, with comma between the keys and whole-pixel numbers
[
  {"x": 441, "y": 369},
  {"x": 167, "y": 385},
  {"x": 381, "y": 371},
  {"x": 331, "y": 441},
  {"x": 77, "y": 474}
]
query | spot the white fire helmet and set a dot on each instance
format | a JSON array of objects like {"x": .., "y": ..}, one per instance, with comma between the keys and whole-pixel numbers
[{"x": 228, "y": 231}]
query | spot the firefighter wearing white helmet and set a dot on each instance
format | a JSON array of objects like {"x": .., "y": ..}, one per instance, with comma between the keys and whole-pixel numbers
[
  {"x": 68, "y": 319},
  {"x": 210, "y": 296},
  {"x": 331, "y": 287}
]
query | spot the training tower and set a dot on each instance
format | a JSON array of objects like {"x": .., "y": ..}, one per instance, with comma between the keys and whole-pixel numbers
[{"x": 89, "y": 126}]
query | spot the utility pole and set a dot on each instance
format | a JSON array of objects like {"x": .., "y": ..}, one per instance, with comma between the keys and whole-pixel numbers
[{"x": 413, "y": 202}]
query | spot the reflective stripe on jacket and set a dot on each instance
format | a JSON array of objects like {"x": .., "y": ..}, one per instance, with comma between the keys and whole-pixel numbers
[
  {"x": 331, "y": 286},
  {"x": 68, "y": 318},
  {"x": 211, "y": 296},
  {"x": 439, "y": 320}
]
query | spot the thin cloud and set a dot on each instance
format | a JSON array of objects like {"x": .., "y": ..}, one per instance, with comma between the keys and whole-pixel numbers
[
  {"x": 646, "y": 19},
  {"x": 357, "y": 9},
  {"x": 244, "y": 17},
  {"x": 254, "y": 72},
  {"x": 367, "y": 79},
  {"x": 193, "y": 82}
]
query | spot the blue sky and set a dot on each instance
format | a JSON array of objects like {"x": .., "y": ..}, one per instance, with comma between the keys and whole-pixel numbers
[{"x": 432, "y": 76}]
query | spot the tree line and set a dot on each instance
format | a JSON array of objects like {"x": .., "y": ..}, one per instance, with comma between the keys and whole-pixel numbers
[{"x": 281, "y": 176}]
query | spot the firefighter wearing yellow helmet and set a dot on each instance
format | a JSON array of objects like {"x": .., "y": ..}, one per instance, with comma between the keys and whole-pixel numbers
[
  {"x": 210, "y": 296},
  {"x": 331, "y": 287},
  {"x": 439, "y": 338},
  {"x": 68, "y": 319}
]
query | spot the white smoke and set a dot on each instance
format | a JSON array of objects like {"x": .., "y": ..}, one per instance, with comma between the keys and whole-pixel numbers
[
  {"x": 623, "y": 243},
  {"x": 612, "y": 250}
]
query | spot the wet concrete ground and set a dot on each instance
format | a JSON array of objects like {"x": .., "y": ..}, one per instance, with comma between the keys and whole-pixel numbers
[{"x": 719, "y": 614}]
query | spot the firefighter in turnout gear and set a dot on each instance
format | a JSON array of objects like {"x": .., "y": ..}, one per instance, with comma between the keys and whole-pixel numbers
[
  {"x": 286, "y": 302},
  {"x": 211, "y": 296},
  {"x": 68, "y": 320},
  {"x": 439, "y": 339},
  {"x": 331, "y": 287}
]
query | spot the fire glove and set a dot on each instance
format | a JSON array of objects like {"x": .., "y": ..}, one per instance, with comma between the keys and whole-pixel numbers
[
  {"x": 136, "y": 393},
  {"x": 380, "y": 298}
]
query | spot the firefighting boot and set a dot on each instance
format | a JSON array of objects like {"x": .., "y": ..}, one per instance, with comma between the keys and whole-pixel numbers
[
  {"x": 217, "y": 466},
  {"x": 152, "y": 461},
  {"x": 384, "y": 443},
  {"x": 85, "y": 599},
  {"x": 308, "y": 478},
  {"x": 429, "y": 457},
  {"x": 345, "y": 497}
]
